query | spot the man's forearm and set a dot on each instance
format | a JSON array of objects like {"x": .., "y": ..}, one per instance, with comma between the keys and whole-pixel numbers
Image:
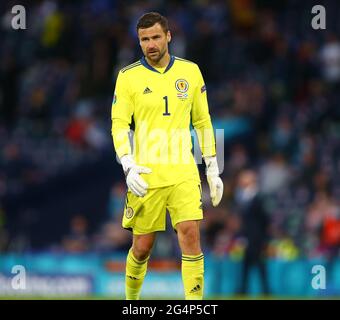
[
  {"x": 206, "y": 139},
  {"x": 120, "y": 135}
]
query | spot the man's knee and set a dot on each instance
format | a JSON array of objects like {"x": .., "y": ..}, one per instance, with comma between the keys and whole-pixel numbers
[
  {"x": 188, "y": 229},
  {"x": 142, "y": 247},
  {"x": 189, "y": 235}
]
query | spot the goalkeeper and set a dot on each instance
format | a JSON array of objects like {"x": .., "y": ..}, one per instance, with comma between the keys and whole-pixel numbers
[{"x": 162, "y": 94}]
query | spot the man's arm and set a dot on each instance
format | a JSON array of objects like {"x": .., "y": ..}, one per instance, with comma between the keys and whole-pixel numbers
[
  {"x": 205, "y": 133},
  {"x": 121, "y": 115},
  {"x": 201, "y": 120}
]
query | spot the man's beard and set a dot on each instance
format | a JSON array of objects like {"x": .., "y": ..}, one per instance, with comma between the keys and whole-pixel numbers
[{"x": 157, "y": 58}]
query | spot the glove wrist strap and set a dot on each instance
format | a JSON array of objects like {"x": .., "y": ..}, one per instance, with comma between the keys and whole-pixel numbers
[{"x": 127, "y": 163}]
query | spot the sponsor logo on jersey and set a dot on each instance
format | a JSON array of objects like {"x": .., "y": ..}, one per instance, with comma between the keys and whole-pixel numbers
[
  {"x": 147, "y": 90},
  {"x": 182, "y": 85},
  {"x": 195, "y": 289}
]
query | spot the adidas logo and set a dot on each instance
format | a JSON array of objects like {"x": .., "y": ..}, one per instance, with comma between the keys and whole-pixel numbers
[
  {"x": 147, "y": 90},
  {"x": 195, "y": 289}
]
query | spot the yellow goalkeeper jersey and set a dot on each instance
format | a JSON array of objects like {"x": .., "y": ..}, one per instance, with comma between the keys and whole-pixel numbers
[{"x": 162, "y": 104}]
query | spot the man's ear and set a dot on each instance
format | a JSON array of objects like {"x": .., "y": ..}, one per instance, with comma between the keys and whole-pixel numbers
[{"x": 168, "y": 35}]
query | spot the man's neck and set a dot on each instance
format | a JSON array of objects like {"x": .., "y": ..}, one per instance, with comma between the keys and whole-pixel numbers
[{"x": 161, "y": 63}]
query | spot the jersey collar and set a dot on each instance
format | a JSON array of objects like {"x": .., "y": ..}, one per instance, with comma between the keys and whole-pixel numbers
[{"x": 146, "y": 65}]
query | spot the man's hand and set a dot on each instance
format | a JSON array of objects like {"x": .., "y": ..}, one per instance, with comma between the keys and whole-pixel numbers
[
  {"x": 132, "y": 173},
  {"x": 214, "y": 181}
]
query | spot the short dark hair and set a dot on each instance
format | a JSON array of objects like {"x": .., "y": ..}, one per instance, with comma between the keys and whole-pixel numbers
[{"x": 149, "y": 19}]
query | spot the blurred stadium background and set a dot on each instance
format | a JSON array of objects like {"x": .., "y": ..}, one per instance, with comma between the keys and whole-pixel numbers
[{"x": 273, "y": 86}]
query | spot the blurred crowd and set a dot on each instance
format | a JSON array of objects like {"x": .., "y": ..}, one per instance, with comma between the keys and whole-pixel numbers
[{"x": 273, "y": 85}]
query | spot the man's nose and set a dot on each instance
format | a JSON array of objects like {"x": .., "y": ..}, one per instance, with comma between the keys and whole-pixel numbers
[{"x": 151, "y": 44}]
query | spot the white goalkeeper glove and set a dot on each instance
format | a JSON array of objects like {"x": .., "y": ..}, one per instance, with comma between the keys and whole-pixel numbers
[
  {"x": 214, "y": 181},
  {"x": 132, "y": 174}
]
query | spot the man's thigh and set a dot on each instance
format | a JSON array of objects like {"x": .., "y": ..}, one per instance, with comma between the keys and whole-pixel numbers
[
  {"x": 185, "y": 202},
  {"x": 145, "y": 215}
]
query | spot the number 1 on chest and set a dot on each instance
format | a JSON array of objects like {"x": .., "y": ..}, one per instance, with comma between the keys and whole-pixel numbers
[{"x": 166, "y": 113}]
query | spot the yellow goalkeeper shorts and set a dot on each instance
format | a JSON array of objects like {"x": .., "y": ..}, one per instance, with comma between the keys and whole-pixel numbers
[{"x": 148, "y": 214}]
